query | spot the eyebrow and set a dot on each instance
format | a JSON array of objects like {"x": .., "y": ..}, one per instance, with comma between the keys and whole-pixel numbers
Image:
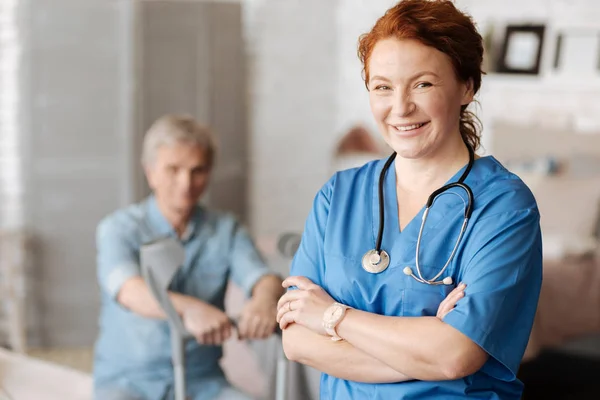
[{"x": 412, "y": 78}]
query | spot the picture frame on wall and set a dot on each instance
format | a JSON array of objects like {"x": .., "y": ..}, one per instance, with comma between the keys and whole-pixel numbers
[
  {"x": 577, "y": 53},
  {"x": 522, "y": 49}
]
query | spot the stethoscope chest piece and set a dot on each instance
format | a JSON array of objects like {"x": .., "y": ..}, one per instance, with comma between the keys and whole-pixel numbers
[{"x": 375, "y": 262}]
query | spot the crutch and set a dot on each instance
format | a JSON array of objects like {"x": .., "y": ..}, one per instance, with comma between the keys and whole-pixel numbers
[
  {"x": 160, "y": 260},
  {"x": 281, "y": 374},
  {"x": 287, "y": 245}
]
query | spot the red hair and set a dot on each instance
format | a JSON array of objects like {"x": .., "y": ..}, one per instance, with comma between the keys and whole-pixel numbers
[{"x": 438, "y": 24}]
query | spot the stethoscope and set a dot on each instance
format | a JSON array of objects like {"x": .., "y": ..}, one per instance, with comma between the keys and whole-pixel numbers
[{"x": 378, "y": 260}]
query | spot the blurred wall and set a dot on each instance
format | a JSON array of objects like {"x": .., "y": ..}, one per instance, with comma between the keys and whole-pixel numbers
[{"x": 77, "y": 141}]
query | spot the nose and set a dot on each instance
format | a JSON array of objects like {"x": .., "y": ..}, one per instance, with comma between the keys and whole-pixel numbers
[
  {"x": 403, "y": 104},
  {"x": 184, "y": 180}
]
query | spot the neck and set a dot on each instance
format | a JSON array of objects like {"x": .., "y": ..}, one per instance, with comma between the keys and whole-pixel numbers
[
  {"x": 178, "y": 219},
  {"x": 432, "y": 171}
]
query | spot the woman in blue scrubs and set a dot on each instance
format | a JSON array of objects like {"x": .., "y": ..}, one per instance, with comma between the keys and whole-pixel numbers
[{"x": 370, "y": 275}]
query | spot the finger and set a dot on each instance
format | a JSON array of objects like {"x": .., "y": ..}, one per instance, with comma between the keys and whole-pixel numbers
[
  {"x": 280, "y": 313},
  {"x": 207, "y": 338},
  {"x": 199, "y": 338},
  {"x": 226, "y": 332},
  {"x": 250, "y": 327},
  {"x": 290, "y": 296},
  {"x": 242, "y": 327},
  {"x": 449, "y": 304},
  {"x": 218, "y": 336},
  {"x": 289, "y": 306},
  {"x": 268, "y": 328},
  {"x": 301, "y": 282},
  {"x": 260, "y": 325},
  {"x": 287, "y": 319},
  {"x": 456, "y": 295},
  {"x": 284, "y": 308},
  {"x": 459, "y": 288}
]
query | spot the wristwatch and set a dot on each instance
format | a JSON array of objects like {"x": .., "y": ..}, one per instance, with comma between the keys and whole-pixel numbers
[{"x": 332, "y": 316}]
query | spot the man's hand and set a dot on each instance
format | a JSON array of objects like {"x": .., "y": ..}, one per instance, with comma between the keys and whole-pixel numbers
[
  {"x": 207, "y": 324},
  {"x": 257, "y": 320}
]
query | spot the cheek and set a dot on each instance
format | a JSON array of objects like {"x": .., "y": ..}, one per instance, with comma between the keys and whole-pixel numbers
[
  {"x": 445, "y": 106},
  {"x": 198, "y": 183},
  {"x": 379, "y": 107},
  {"x": 438, "y": 107}
]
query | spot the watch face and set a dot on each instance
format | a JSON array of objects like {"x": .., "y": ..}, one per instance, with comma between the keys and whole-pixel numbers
[
  {"x": 334, "y": 313},
  {"x": 337, "y": 312}
]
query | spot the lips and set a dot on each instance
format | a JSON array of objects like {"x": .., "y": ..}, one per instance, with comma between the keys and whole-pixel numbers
[{"x": 402, "y": 128}]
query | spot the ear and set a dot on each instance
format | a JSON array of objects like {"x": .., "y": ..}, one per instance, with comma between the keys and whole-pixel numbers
[
  {"x": 468, "y": 93},
  {"x": 149, "y": 172}
]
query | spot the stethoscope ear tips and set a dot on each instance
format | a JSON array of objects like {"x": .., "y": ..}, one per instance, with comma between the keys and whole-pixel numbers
[{"x": 446, "y": 281}]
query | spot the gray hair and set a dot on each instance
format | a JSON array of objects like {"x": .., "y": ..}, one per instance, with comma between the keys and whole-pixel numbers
[{"x": 171, "y": 129}]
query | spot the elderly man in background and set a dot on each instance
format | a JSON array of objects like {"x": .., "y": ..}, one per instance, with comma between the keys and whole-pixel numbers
[{"x": 132, "y": 354}]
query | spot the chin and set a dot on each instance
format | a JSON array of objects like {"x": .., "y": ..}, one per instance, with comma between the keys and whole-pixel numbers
[
  {"x": 185, "y": 204},
  {"x": 406, "y": 149},
  {"x": 413, "y": 148}
]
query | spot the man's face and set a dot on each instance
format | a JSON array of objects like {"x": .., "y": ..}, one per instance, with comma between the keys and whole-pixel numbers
[{"x": 178, "y": 176}]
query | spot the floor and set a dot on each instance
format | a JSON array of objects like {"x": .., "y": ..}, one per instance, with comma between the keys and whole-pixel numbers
[{"x": 80, "y": 359}]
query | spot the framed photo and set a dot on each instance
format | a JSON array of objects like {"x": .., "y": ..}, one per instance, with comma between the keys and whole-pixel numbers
[
  {"x": 522, "y": 49},
  {"x": 577, "y": 53}
]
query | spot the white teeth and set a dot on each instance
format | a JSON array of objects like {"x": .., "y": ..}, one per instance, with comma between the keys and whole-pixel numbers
[{"x": 408, "y": 128}]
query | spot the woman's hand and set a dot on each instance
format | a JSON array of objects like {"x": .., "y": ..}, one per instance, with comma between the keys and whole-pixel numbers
[
  {"x": 307, "y": 304},
  {"x": 450, "y": 301},
  {"x": 304, "y": 305}
]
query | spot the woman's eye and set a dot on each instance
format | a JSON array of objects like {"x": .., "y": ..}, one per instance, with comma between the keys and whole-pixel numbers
[
  {"x": 424, "y": 85},
  {"x": 382, "y": 87}
]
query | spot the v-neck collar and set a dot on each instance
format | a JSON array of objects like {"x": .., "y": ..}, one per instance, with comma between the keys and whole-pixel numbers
[{"x": 391, "y": 228}]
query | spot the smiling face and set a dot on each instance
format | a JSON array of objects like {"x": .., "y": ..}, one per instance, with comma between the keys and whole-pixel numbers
[{"x": 415, "y": 97}]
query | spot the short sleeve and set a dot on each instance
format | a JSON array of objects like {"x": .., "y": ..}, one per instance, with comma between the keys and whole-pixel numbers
[
  {"x": 309, "y": 260},
  {"x": 503, "y": 278},
  {"x": 247, "y": 265},
  {"x": 117, "y": 256}
]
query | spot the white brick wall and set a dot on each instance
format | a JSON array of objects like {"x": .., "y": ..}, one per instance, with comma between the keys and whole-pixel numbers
[
  {"x": 292, "y": 109},
  {"x": 11, "y": 187}
]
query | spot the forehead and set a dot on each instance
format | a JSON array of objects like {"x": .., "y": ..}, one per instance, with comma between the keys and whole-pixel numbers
[
  {"x": 181, "y": 153},
  {"x": 403, "y": 58}
]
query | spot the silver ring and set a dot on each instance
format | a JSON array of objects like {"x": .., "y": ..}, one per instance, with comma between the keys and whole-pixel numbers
[{"x": 289, "y": 306}]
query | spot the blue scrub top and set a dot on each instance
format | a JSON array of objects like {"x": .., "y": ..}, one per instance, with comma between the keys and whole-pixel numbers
[{"x": 499, "y": 258}]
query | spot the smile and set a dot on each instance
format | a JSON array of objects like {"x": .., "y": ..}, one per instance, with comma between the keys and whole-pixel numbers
[{"x": 406, "y": 128}]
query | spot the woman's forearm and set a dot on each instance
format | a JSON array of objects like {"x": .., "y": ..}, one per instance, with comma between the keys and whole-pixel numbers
[
  {"x": 339, "y": 359},
  {"x": 423, "y": 347}
]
